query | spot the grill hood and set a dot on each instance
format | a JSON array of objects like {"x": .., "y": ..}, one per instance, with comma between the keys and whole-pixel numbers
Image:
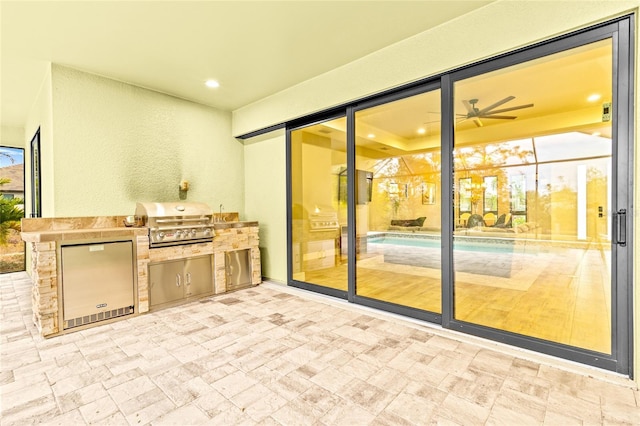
[
  {"x": 176, "y": 223},
  {"x": 166, "y": 210}
]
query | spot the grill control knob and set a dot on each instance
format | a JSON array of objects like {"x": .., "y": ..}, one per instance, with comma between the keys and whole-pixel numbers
[
  {"x": 207, "y": 232},
  {"x": 193, "y": 232},
  {"x": 178, "y": 234},
  {"x": 160, "y": 235}
]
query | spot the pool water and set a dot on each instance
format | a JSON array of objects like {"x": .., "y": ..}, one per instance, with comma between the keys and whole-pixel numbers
[{"x": 474, "y": 246}]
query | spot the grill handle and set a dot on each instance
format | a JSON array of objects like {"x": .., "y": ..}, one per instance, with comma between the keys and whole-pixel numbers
[
  {"x": 168, "y": 228},
  {"x": 186, "y": 219}
]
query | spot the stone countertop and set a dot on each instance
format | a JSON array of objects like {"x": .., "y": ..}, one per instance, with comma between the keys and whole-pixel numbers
[
  {"x": 81, "y": 234},
  {"x": 227, "y": 225},
  {"x": 38, "y": 230}
]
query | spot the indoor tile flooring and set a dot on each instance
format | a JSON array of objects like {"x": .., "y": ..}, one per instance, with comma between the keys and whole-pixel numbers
[{"x": 275, "y": 355}]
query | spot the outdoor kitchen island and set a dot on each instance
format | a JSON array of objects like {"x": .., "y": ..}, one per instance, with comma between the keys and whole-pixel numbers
[{"x": 46, "y": 236}]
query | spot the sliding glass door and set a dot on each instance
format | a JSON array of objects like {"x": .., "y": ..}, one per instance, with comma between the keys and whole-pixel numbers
[
  {"x": 535, "y": 141},
  {"x": 494, "y": 200},
  {"x": 318, "y": 205},
  {"x": 397, "y": 220}
]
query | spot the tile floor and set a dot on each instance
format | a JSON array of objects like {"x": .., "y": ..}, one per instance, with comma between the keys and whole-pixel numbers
[{"x": 279, "y": 356}]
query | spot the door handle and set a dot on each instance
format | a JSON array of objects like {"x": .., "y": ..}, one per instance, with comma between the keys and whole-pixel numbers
[
  {"x": 178, "y": 283},
  {"x": 188, "y": 276},
  {"x": 621, "y": 234}
]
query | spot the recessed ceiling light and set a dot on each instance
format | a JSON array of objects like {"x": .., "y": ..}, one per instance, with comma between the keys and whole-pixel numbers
[
  {"x": 371, "y": 136},
  {"x": 421, "y": 131},
  {"x": 594, "y": 97},
  {"x": 595, "y": 134},
  {"x": 212, "y": 84}
]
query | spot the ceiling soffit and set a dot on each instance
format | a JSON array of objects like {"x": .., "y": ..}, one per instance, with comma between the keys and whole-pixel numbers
[{"x": 253, "y": 48}]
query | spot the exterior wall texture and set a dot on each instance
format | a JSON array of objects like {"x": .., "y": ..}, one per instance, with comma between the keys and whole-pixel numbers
[
  {"x": 116, "y": 144},
  {"x": 265, "y": 166}
]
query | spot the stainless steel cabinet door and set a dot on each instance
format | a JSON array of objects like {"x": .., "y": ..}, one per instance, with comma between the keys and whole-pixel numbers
[
  {"x": 198, "y": 276},
  {"x": 166, "y": 282},
  {"x": 238, "y": 264}
]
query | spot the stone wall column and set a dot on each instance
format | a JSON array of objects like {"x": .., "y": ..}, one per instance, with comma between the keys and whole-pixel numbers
[
  {"x": 44, "y": 293},
  {"x": 142, "y": 262}
]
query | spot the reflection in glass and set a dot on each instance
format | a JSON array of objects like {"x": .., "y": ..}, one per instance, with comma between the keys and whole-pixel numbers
[
  {"x": 398, "y": 243},
  {"x": 319, "y": 204},
  {"x": 541, "y": 154}
]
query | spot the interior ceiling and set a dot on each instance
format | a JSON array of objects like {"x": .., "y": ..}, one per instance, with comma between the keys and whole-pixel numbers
[
  {"x": 558, "y": 87},
  {"x": 253, "y": 48}
]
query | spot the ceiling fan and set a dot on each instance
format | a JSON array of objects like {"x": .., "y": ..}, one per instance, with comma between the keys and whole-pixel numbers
[{"x": 475, "y": 113}]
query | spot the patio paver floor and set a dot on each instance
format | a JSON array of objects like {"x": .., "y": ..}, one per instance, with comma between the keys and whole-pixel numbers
[{"x": 278, "y": 356}]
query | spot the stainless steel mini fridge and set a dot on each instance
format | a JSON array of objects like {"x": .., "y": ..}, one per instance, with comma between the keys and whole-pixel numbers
[{"x": 97, "y": 282}]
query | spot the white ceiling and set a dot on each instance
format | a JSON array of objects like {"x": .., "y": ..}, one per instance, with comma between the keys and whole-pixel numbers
[{"x": 253, "y": 48}]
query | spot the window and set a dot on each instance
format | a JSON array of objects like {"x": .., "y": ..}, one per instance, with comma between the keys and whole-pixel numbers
[
  {"x": 518, "y": 187},
  {"x": 490, "y": 194},
  {"x": 465, "y": 195}
]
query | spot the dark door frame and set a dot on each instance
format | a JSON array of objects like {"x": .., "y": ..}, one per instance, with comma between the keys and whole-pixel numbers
[
  {"x": 621, "y": 31},
  {"x": 36, "y": 175}
]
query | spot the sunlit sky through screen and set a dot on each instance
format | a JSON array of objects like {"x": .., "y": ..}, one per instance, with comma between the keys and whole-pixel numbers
[{"x": 6, "y": 154}]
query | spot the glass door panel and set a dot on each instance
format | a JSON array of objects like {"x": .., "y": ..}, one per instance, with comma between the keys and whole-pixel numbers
[
  {"x": 398, "y": 218},
  {"x": 12, "y": 248},
  {"x": 319, "y": 204},
  {"x": 533, "y": 156}
]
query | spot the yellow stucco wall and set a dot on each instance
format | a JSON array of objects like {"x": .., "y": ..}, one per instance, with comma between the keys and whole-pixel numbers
[
  {"x": 265, "y": 170},
  {"x": 41, "y": 117},
  {"x": 115, "y": 144}
]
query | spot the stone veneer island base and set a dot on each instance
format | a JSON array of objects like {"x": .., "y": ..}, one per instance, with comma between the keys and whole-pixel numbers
[{"x": 45, "y": 235}]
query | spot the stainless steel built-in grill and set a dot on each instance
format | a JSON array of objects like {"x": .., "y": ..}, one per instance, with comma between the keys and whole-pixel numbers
[
  {"x": 176, "y": 223},
  {"x": 323, "y": 221}
]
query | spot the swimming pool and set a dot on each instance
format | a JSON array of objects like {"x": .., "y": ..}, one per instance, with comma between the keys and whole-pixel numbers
[
  {"x": 471, "y": 256},
  {"x": 499, "y": 246}
]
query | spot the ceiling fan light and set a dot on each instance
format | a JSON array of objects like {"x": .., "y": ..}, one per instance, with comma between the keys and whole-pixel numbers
[
  {"x": 212, "y": 84},
  {"x": 594, "y": 97}
]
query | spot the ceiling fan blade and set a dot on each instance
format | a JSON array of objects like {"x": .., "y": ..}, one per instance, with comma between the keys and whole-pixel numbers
[
  {"x": 477, "y": 121},
  {"x": 497, "y": 104},
  {"x": 510, "y": 109},
  {"x": 500, "y": 117},
  {"x": 469, "y": 107}
]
